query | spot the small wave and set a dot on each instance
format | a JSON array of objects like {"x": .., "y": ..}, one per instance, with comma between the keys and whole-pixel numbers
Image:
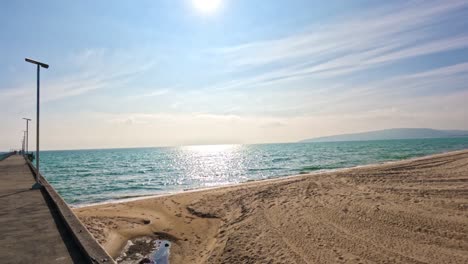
[
  {"x": 114, "y": 173},
  {"x": 265, "y": 169},
  {"x": 316, "y": 168},
  {"x": 398, "y": 156},
  {"x": 133, "y": 196},
  {"x": 281, "y": 159},
  {"x": 312, "y": 168},
  {"x": 81, "y": 170},
  {"x": 86, "y": 174}
]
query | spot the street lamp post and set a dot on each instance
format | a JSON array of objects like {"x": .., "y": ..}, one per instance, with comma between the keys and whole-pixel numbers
[
  {"x": 27, "y": 134},
  {"x": 22, "y": 145},
  {"x": 37, "y": 185},
  {"x": 24, "y": 141}
]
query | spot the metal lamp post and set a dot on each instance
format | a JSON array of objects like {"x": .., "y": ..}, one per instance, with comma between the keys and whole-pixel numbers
[
  {"x": 22, "y": 143},
  {"x": 37, "y": 185},
  {"x": 27, "y": 134}
]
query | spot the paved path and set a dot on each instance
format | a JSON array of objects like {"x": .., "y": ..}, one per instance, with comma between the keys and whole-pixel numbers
[{"x": 30, "y": 229}]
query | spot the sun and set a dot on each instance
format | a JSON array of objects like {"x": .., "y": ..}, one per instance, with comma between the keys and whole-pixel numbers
[{"x": 207, "y": 6}]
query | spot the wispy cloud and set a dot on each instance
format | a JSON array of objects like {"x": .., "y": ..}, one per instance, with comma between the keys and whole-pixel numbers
[
  {"x": 152, "y": 93},
  {"x": 86, "y": 71},
  {"x": 366, "y": 40},
  {"x": 401, "y": 90},
  {"x": 345, "y": 97}
]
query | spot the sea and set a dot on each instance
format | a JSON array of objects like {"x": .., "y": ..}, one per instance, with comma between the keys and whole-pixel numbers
[{"x": 84, "y": 177}]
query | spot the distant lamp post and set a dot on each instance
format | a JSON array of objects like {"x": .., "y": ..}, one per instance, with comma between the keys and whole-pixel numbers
[
  {"x": 37, "y": 185},
  {"x": 27, "y": 134},
  {"x": 22, "y": 143}
]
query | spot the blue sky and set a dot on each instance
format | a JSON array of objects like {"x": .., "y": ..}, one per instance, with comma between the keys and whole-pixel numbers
[{"x": 157, "y": 73}]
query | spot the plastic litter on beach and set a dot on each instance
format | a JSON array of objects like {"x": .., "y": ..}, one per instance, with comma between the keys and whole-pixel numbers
[
  {"x": 161, "y": 254},
  {"x": 145, "y": 250}
]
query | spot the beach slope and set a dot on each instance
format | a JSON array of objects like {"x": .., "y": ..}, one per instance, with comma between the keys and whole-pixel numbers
[{"x": 413, "y": 211}]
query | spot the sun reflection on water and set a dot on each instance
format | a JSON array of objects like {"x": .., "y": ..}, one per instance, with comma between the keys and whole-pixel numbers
[
  {"x": 211, "y": 148},
  {"x": 87, "y": 176},
  {"x": 212, "y": 164}
]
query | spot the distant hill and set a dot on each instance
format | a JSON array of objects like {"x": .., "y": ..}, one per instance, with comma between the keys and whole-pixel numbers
[{"x": 394, "y": 133}]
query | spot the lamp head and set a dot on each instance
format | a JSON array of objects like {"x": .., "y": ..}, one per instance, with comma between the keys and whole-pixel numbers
[{"x": 43, "y": 65}]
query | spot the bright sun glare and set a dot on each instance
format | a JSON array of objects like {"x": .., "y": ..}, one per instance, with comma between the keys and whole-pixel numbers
[{"x": 207, "y": 6}]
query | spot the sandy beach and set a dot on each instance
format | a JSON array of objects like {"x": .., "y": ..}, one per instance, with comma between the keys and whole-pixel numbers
[{"x": 413, "y": 211}]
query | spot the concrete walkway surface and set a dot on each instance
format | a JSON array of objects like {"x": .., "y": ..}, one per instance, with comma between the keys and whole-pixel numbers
[{"x": 31, "y": 230}]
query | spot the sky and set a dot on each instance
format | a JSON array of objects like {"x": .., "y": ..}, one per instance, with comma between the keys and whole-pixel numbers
[{"x": 177, "y": 72}]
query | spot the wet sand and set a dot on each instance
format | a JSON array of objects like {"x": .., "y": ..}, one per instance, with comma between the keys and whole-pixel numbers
[{"x": 413, "y": 211}]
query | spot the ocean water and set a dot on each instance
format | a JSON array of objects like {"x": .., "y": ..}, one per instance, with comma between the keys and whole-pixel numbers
[
  {"x": 2, "y": 155},
  {"x": 91, "y": 176}
]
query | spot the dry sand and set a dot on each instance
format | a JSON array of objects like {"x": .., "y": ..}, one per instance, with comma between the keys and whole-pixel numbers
[{"x": 413, "y": 211}]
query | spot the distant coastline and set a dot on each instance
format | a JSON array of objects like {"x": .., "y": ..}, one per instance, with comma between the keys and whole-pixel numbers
[{"x": 391, "y": 134}]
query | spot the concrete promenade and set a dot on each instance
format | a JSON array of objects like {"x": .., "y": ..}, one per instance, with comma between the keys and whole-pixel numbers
[{"x": 31, "y": 226}]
